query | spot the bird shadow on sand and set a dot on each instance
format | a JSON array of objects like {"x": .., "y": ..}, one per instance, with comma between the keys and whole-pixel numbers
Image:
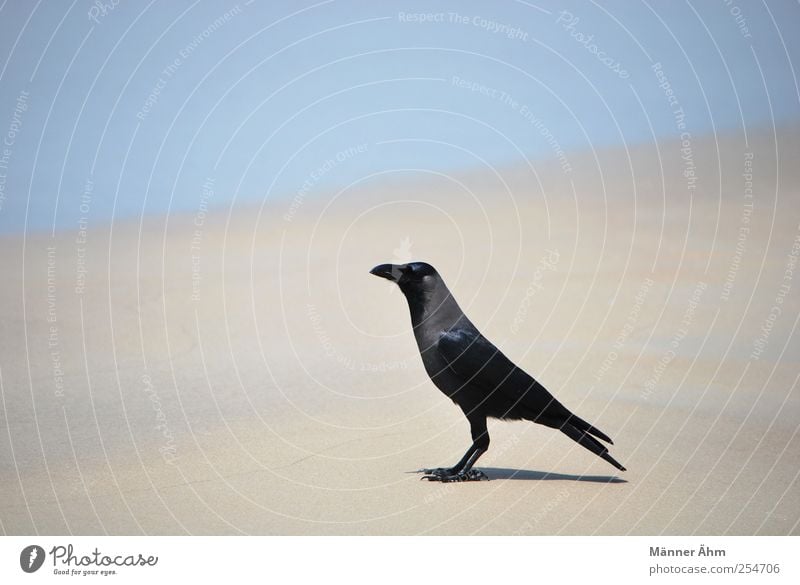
[{"x": 525, "y": 474}]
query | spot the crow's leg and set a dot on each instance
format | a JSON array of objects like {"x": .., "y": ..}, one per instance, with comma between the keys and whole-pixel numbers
[{"x": 462, "y": 471}]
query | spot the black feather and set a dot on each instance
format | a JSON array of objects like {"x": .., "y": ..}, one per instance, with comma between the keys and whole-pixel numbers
[{"x": 474, "y": 373}]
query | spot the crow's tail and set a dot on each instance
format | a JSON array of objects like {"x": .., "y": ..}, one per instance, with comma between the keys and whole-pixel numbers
[
  {"x": 582, "y": 425},
  {"x": 582, "y": 437}
]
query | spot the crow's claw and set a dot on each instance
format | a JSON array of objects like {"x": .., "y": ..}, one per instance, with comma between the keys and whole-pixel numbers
[
  {"x": 439, "y": 471},
  {"x": 449, "y": 476}
]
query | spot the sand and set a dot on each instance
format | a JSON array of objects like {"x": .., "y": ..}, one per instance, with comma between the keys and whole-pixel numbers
[{"x": 239, "y": 371}]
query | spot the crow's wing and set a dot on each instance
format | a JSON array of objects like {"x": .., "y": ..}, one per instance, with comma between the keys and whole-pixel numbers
[{"x": 478, "y": 362}]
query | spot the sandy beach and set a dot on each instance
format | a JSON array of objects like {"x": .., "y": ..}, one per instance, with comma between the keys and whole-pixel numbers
[{"x": 239, "y": 371}]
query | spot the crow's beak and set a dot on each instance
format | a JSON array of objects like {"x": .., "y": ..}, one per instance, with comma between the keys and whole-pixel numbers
[{"x": 387, "y": 271}]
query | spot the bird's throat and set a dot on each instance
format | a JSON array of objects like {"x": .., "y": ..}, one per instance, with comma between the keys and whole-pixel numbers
[{"x": 432, "y": 307}]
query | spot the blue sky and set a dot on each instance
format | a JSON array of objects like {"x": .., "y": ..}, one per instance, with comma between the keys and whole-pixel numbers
[{"x": 147, "y": 102}]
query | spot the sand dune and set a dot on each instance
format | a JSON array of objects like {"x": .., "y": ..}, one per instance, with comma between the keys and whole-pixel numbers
[{"x": 243, "y": 373}]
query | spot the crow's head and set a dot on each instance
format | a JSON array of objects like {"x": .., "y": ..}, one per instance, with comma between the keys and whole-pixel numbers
[{"x": 411, "y": 277}]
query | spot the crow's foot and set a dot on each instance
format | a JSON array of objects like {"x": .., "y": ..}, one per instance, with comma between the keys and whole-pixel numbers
[
  {"x": 449, "y": 475},
  {"x": 439, "y": 471}
]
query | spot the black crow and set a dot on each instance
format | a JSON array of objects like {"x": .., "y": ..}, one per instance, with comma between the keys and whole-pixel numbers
[{"x": 475, "y": 374}]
